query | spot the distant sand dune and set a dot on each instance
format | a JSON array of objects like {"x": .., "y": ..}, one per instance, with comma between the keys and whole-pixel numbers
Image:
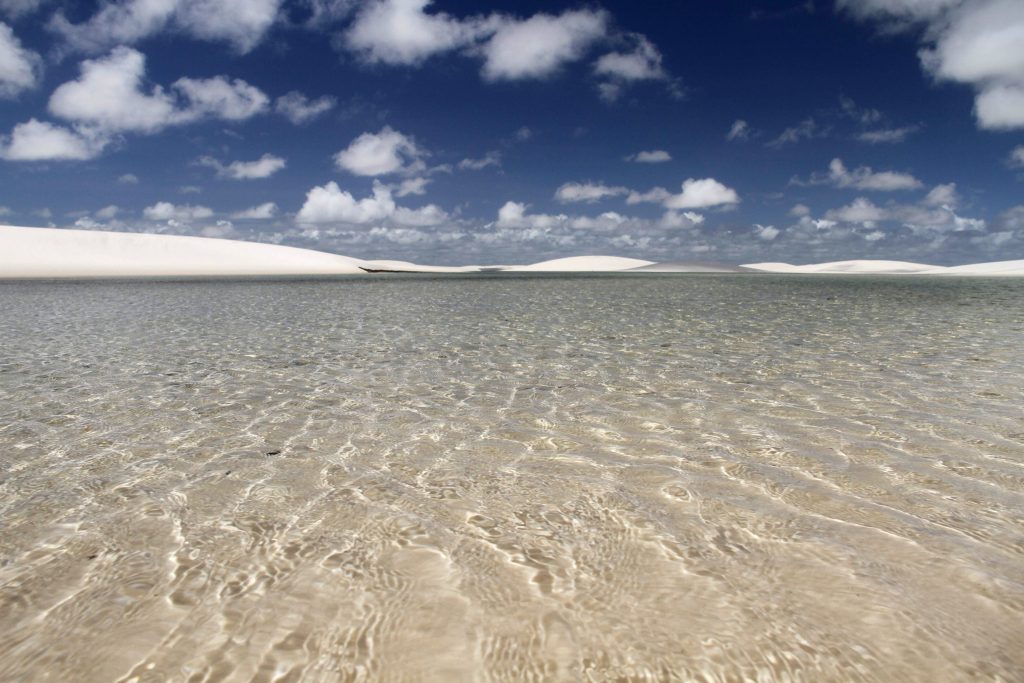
[{"x": 61, "y": 253}]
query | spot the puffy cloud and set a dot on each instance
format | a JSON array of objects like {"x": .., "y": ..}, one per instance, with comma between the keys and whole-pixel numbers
[
  {"x": 299, "y": 109},
  {"x": 655, "y": 195},
  {"x": 514, "y": 215},
  {"x": 587, "y": 192},
  {"x": 619, "y": 69},
  {"x": 1000, "y": 107},
  {"x": 739, "y": 131},
  {"x": 17, "y": 8},
  {"x": 655, "y": 156},
  {"x": 538, "y": 46},
  {"x": 980, "y": 43},
  {"x": 705, "y": 192},
  {"x": 108, "y": 94},
  {"x": 942, "y": 195},
  {"x": 374, "y": 154},
  {"x": 19, "y": 68},
  {"x": 330, "y": 204},
  {"x": 417, "y": 186},
  {"x": 166, "y": 211},
  {"x": 862, "y": 178},
  {"x": 800, "y": 210},
  {"x": 489, "y": 159},
  {"x": 808, "y": 129},
  {"x": 401, "y": 32},
  {"x": 242, "y": 23},
  {"x": 261, "y": 212},
  {"x": 40, "y": 141},
  {"x": 886, "y": 135},
  {"x": 766, "y": 232},
  {"x": 264, "y": 167},
  {"x": 860, "y": 210}
]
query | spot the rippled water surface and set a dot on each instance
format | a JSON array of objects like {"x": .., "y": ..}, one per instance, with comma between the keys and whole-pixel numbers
[{"x": 714, "y": 478}]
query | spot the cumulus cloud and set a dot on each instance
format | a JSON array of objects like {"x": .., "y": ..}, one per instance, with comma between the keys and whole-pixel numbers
[
  {"x": 19, "y": 68},
  {"x": 417, "y": 186},
  {"x": 587, "y": 192},
  {"x": 241, "y": 23},
  {"x": 41, "y": 141},
  {"x": 166, "y": 211},
  {"x": 264, "y": 167},
  {"x": 489, "y": 159},
  {"x": 374, "y": 154},
  {"x": 766, "y": 232},
  {"x": 332, "y": 205},
  {"x": 402, "y": 32},
  {"x": 655, "y": 156},
  {"x": 109, "y": 95},
  {"x": 261, "y": 212},
  {"x": 17, "y": 8},
  {"x": 702, "y": 193},
  {"x": 942, "y": 195},
  {"x": 739, "y": 131},
  {"x": 514, "y": 215},
  {"x": 862, "y": 178},
  {"x": 641, "y": 63},
  {"x": 800, "y": 210},
  {"x": 539, "y": 46},
  {"x": 980, "y": 43},
  {"x": 299, "y": 109}
]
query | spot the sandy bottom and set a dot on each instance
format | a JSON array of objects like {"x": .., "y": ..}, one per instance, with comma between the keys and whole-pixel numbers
[{"x": 525, "y": 479}]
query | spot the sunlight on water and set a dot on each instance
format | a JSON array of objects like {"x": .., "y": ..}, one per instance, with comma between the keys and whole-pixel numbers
[{"x": 513, "y": 478}]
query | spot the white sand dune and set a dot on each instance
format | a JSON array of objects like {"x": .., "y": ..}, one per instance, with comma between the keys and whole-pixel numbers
[
  {"x": 582, "y": 264},
  {"x": 686, "y": 267},
  {"x": 59, "y": 253},
  {"x": 996, "y": 268},
  {"x": 846, "y": 267},
  {"x": 385, "y": 266}
]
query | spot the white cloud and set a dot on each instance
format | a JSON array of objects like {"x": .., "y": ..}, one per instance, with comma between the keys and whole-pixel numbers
[
  {"x": 401, "y": 32},
  {"x": 1017, "y": 156},
  {"x": 374, "y": 154},
  {"x": 800, "y": 210},
  {"x": 330, "y": 204},
  {"x": 20, "y": 69},
  {"x": 655, "y": 156},
  {"x": 655, "y": 195},
  {"x": 489, "y": 159},
  {"x": 264, "y": 167},
  {"x": 417, "y": 186},
  {"x": 766, "y": 232},
  {"x": 1000, "y": 107},
  {"x": 619, "y": 69},
  {"x": 128, "y": 179},
  {"x": 587, "y": 192},
  {"x": 739, "y": 131},
  {"x": 242, "y": 23},
  {"x": 5, "y": 211},
  {"x": 40, "y": 141},
  {"x": 860, "y": 210},
  {"x": 702, "y": 193},
  {"x": 166, "y": 211},
  {"x": 17, "y": 8},
  {"x": 864, "y": 178},
  {"x": 537, "y": 47},
  {"x": 108, "y": 212},
  {"x": 299, "y": 109},
  {"x": 108, "y": 94},
  {"x": 886, "y": 135},
  {"x": 980, "y": 43},
  {"x": 514, "y": 215},
  {"x": 942, "y": 195},
  {"x": 807, "y": 129},
  {"x": 261, "y": 212}
]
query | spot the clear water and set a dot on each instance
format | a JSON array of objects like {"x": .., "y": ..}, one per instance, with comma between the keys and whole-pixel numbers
[{"x": 513, "y": 479}]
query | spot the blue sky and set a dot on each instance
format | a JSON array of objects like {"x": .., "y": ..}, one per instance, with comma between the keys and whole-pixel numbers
[{"x": 458, "y": 132}]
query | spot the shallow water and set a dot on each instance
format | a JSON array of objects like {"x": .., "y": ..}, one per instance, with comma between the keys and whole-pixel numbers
[{"x": 711, "y": 478}]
